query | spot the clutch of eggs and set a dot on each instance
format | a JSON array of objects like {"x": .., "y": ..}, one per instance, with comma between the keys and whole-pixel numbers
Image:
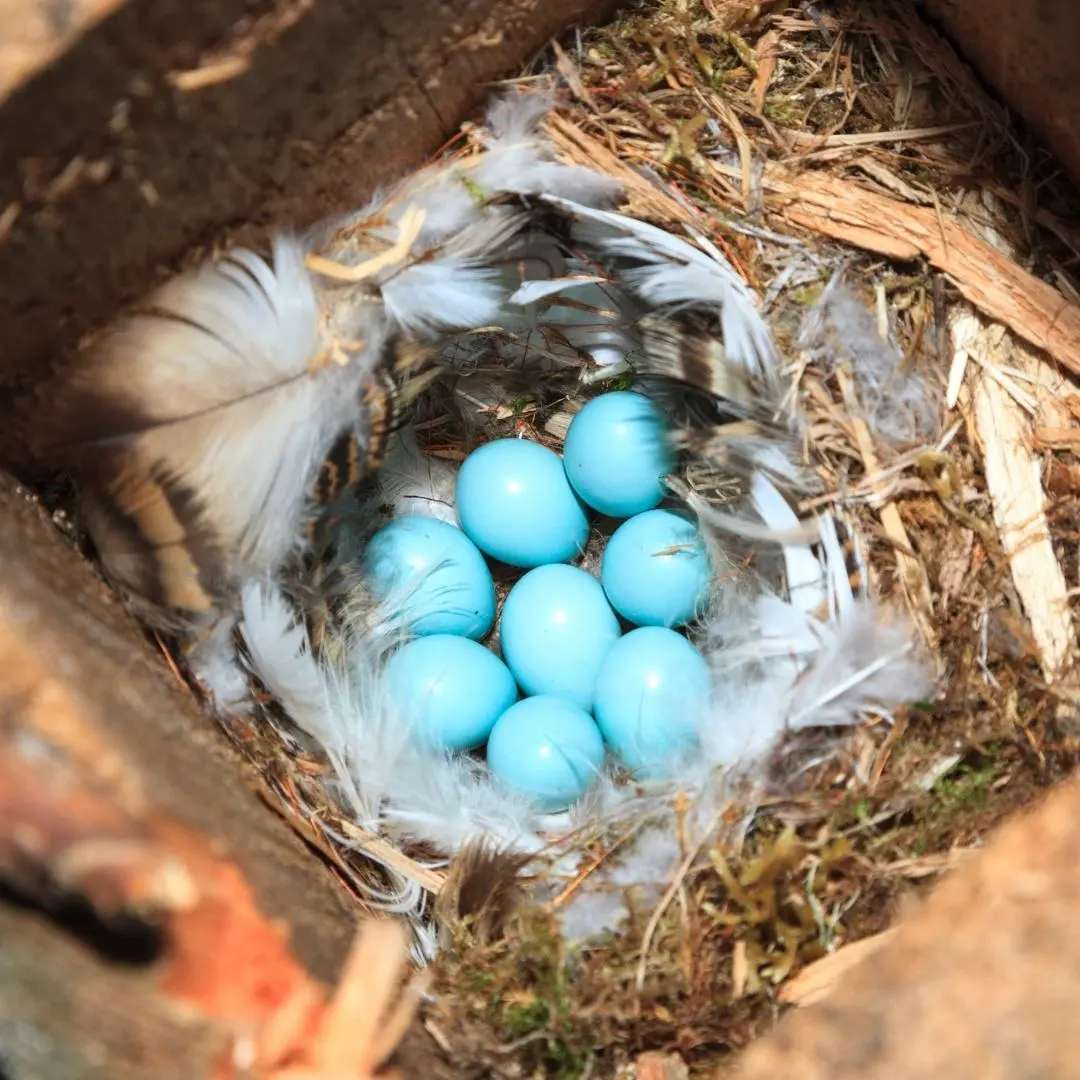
[{"x": 571, "y": 687}]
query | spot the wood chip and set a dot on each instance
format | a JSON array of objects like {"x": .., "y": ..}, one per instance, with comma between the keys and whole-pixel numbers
[
  {"x": 33, "y": 34},
  {"x": 987, "y": 278},
  {"x": 656, "y": 1066},
  {"x": 767, "y": 52},
  {"x": 8, "y": 216},
  {"x": 219, "y": 71},
  {"x": 1013, "y": 476},
  {"x": 955, "y": 565},
  {"x": 820, "y": 979},
  {"x": 740, "y": 970}
]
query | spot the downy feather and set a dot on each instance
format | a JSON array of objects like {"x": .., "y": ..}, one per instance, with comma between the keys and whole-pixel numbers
[
  {"x": 901, "y": 408},
  {"x": 389, "y": 781},
  {"x": 471, "y": 216},
  {"x": 199, "y": 422}
]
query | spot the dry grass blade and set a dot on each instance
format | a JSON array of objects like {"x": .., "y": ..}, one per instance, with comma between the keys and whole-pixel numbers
[
  {"x": 767, "y": 54},
  {"x": 665, "y": 900},
  {"x": 910, "y": 571}
]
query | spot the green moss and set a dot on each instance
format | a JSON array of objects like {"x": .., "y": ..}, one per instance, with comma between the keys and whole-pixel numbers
[
  {"x": 525, "y": 1019},
  {"x": 476, "y": 192},
  {"x": 967, "y": 788},
  {"x": 783, "y": 110}
]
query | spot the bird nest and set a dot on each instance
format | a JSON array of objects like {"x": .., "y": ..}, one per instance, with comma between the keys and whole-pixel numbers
[{"x": 837, "y": 170}]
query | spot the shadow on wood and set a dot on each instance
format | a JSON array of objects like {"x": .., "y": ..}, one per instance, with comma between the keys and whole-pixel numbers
[{"x": 332, "y": 99}]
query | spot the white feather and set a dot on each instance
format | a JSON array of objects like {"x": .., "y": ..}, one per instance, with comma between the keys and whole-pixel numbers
[
  {"x": 238, "y": 418},
  {"x": 414, "y": 483},
  {"x": 531, "y": 291},
  {"x": 448, "y": 293},
  {"x": 214, "y": 663},
  {"x": 805, "y": 575},
  {"x": 389, "y": 781},
  {"x": 865, "y": 664},
  {"x": 447, "y": 280},
  {"x": 841, "y": 597}
]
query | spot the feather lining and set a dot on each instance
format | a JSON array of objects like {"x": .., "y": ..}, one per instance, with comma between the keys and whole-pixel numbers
[
  {"x": 198, "y": 425},
  {"x": 666, "y": 271}
]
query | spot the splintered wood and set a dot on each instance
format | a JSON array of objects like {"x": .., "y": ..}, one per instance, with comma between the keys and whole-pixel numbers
[
  {"x": 990, "y": 280},
  {"x": 1013, "y": 477},
  {"x": 358, "y": 1029}
]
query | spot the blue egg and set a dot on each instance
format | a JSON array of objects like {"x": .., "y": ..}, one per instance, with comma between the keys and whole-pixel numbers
[
  {"x": 655, "y": 570},
  {"x": 514, "y": 501},
  {"x": 651, "y": 689},
  {"x": 616, "y": 454},
  {"x": 451, "y": 689},
  {"x": 432, "y": 576},
  {"x": 548, "y": 749},
  {"x": 555, "y": 631}
]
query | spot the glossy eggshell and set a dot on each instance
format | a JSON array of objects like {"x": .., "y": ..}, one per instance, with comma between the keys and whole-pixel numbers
[
  {"x": 616, "y": 454},
  {"x": 431, "y": 575},
  {"x": 650, "y": 692},
  {"x": 451, "y": 689},
  {"x": 548, "y": 749},
  {"x": 555, "y": 631},
  {"x": 655, "y": 570},
  {"x": 515, "y": 503}
]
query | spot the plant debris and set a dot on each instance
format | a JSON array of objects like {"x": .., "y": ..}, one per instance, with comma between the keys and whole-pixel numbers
[
  {"x": 809, "y": 141},
  {"x": 812, "y": 143}
]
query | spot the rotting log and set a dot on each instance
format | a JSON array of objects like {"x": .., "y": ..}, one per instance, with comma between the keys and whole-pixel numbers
[
  {"x": 119, "y": 801},
  {"x": 979, "y": 983},
  {"x": 172, "y": 124}
]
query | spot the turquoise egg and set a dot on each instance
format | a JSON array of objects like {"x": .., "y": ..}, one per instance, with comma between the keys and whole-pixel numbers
[
  {"x": 555, "y": 630},
  {"x": 548, "y": 749},
  {"x": 656, "y": 570},
  {"x": 432, "y": 575},
  {"x": 650, "y": 691},
  {"x": 514, "y": 501},
  {"x": 451, "y": 689},
  {"x": 616, "y": 454}
]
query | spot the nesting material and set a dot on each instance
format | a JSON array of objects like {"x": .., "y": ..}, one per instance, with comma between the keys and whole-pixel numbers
[
  {"x": 753, "y": 218},
  {"x": 792, "y": 650},
  {"x": 442, "y": 257}
]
